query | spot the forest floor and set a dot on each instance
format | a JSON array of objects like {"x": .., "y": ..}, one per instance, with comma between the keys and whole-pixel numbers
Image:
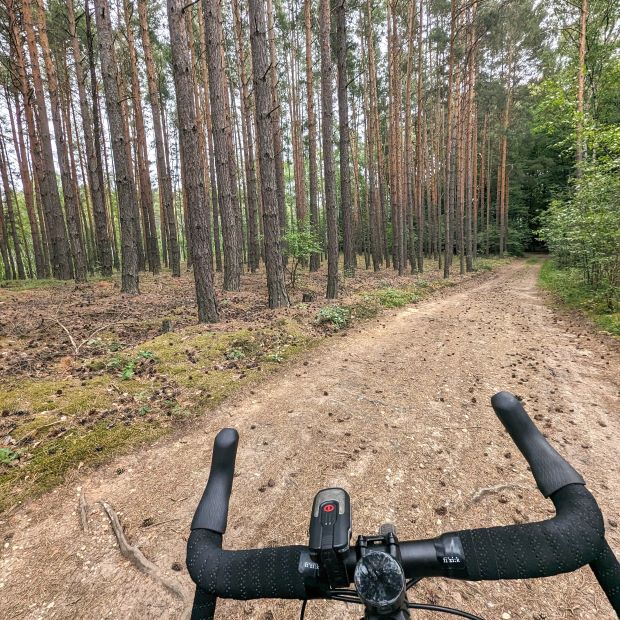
[
  {"x": 86, "y": 372},
  {"x": 397, "y": 412}
]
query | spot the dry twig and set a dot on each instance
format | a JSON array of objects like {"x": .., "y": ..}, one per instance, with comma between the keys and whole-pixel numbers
[
  {"x": 84, "y": 512},
  {"x": 142, "y": 563}
]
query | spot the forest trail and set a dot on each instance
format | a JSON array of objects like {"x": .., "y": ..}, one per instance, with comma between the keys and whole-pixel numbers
[{"x": 398, "y": 413}]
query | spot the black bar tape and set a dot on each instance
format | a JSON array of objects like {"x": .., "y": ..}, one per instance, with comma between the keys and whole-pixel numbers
[
  {"x": 607, "y": 571},
  {"x": 573, "y": 538},
  {"x": 549, "y": 469},
  {"x": 212, "y": 511},
  {"x": 272, "y": 572},
  {"x": 204, "y": 605}
]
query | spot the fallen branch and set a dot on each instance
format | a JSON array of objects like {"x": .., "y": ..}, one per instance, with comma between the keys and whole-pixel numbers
[
  {"x": 141, "y": 562},
  {"x": 76, "y": 347},
  {"x": 84, "y": 512},
  {"x": 484, "y": 491}
]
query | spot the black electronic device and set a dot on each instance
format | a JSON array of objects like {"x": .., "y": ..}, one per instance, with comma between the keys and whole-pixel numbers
[{"x": 330, "y": 533}]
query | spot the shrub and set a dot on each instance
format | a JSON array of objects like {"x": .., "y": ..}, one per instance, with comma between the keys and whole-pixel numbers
[
  {"x": 338, "y": 316},
  {"x": 396, "y": 298},
  {"x": 300, "y": 242}
]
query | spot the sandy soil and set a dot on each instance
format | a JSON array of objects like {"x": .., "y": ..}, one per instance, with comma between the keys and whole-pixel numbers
[{"x": 398, "y": 413}]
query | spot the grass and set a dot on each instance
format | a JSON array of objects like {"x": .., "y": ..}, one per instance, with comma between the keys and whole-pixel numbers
[{"x": 568, "y": 286}]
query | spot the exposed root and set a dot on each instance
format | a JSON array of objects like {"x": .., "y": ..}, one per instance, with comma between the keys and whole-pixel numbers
[{"x": 143, "y": 564}]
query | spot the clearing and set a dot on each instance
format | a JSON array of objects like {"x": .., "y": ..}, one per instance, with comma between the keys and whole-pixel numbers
[{"x": 397, "y": 412}]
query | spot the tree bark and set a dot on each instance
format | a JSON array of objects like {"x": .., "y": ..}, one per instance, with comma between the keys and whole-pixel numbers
[
  {"x": 68, "y": 188},
  {"x": 222, "y": 139},
  {"x": 315, "y": 257},
  {"x": 247, "y": 136},
  {"x": 262, "y": 69},
  {"x": 327, "y": 108},
  {"x": 144, "y": 176},
  {"x": 215, "y": 208},
  {"x": 10, "y": 210},
  {"x": 163, "y": 173},
  {"x": 95, "y": 175},
  {"x": 344, "y": 143},
  {"x": 193, "y": 175},
  {"x": 449, "y": 193},
  {"x": 24, "y": 172},
  {"x": 60, "y": 254},
  {"x": 276, "y": 118},
  {"x": 125, "y": 188}
]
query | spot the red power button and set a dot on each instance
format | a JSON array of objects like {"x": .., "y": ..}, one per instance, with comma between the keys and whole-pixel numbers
[{"x": 329, "y": 508}]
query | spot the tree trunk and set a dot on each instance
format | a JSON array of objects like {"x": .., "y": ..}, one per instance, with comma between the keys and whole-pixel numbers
[
  {"x": 420, "y": 146},
  {"x": 68, "y": 189},
  {"x": 60, "y": 253},
  {"x": 262, "y": 69},
  {"x": 193, "y": 175},
  {"x": 125, "y": 188},
  {"x": 215, "y": 206},
  {"x": 24, "y": 172},
  {"x": 315, "y": 257},
  {"x": 92, "y": 136},
  {"x": 583, "y": 24},
  {"x": 344, "y": 143},
  {"x": 222, "y": 139},
  {"x": 247, "y": 135},
  {"x": 327, "y": 108},
  {"x": 10, "y": 210},
  {"x": 95, "y": 175},
  {"x": 276, "y": 118},
  {"x": 448, "y": 248},
  {"x": 163, "y": 173},
  {"x": 144, "y": 176}
]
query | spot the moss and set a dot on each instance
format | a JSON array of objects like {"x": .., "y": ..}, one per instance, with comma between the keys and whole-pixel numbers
[
  {"x": 69, "y": 395},
  {"x": 51, "y": 461}
]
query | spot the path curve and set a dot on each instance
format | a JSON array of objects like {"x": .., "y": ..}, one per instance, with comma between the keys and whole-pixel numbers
[{"x": 397, "y": 412}]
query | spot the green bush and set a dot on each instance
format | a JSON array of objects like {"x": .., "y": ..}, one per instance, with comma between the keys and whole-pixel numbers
[
  {"x": 395, "y": 298},
  {"x": 300, "y": 242},
  {"x": 583, "y": 230},
  {"x": 568, "y": 285},
  {"x": 339, "y": 316}
]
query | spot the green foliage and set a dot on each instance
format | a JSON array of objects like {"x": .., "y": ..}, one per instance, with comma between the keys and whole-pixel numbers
[
  {"x": 338, "y": 316},
  {"x": 395, "y": 298},
  {"x": 583, "y": 230},
  {"x": 7, "y": 456},
  {"x": 235, "y": 354},
  {"x": 568, "y": 285},
  {"x": 300, "y": 242},
  {"x": 126, "y": 367}
]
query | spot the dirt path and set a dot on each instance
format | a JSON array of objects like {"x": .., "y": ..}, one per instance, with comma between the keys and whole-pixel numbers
[{"x": 398, "y": 413}]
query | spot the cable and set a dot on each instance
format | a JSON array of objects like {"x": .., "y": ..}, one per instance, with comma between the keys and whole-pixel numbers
[
  {"x": 412, "y": 582},
  {"x": 445, "y": 610},
  {"x": 303, "y": 610}
]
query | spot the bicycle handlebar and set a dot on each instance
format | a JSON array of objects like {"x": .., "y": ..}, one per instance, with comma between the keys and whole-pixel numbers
[{"x": 571, "y": 539}]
